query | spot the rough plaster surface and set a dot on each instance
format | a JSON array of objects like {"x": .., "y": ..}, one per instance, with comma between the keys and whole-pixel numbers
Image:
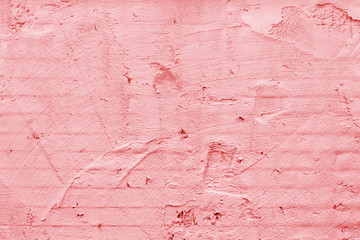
[{"x": 179, "y": 120}]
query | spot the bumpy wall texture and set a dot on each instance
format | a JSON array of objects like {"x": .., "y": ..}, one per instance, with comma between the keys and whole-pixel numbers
[{"x": 179, "y": 119}]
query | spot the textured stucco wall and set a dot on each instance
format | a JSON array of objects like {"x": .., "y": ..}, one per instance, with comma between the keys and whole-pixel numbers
[{"x": 179, "y": 120}]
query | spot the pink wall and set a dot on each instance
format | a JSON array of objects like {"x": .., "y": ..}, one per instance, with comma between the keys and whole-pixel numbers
[{"x": 173, "y": 119}]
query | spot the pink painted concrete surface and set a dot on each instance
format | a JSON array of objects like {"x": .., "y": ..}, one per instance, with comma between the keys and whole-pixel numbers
[{"x": 174, "y": 119}]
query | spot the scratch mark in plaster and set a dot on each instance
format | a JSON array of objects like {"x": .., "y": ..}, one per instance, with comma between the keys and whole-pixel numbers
[
  {"x": 123, "y": 148},
  {"x": 347, "y": 102},
  {"x": 225, "y": 193}
]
